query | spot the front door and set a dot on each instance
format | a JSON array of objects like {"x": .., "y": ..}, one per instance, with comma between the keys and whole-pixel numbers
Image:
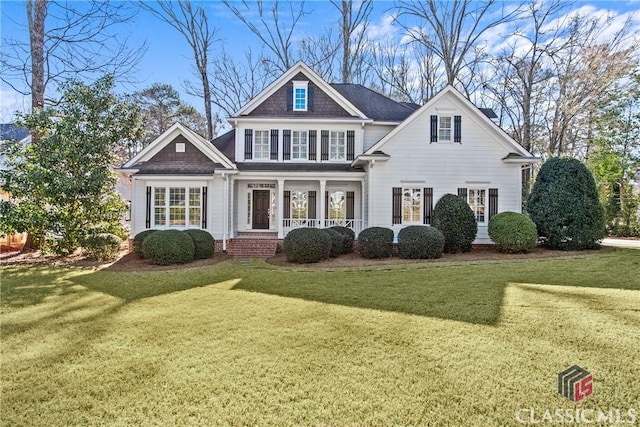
[{"x": 260, "y": 210}]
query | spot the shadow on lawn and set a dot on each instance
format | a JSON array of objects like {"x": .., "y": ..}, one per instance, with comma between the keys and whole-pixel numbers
[{"x": 409, "y": 292}]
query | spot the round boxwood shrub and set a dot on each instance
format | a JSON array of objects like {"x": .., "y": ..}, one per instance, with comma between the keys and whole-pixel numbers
[
  {"x": 204, "y": 243},
  {"x": 455, "y": 219},
  {"x": 348, "y": 236},
  {"x": 165, "y": 247},
  {"x": 420, "y": 242},
  {"x": 307, "y": 245},
  {"x": 337, "y": 244},
  {"x": 565, "y": 207},
  {"x": 375, "y": 242},
  {"x": 139, "y": 239},
  {"x": 513, "y": 232},
  {"x": 102, "y": 246}
]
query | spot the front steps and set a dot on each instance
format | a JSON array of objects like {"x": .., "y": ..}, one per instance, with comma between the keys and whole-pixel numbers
[{"x": 253, "y": 245}]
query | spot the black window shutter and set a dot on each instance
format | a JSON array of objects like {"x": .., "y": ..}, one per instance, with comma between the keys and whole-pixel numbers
[
  {"x": 350, "y": 204},
  {"x": 286, "y": 212},
  {"x": 290, "y": 98},
  {"x": 462, "y": 192},
  {"x": 457, "y": 129},
  {"x": 396, "y": 217},
  {"x": 204, "y": 207},
  {"x": 324, "y": 145},
  {"x": 434, "y": 128},
  {"x": 147, "y": 223},
  {"x": 274, "y": 144},
  {"x": 286, "y": 144},
  {"x": 351, "y": 144},
  {"x": 493, "y": 202},
  {"x": 313, "y": 135},
  {"x": 326, "y": 205},
  {"x": 311, "y": 212},
  {"x": 248, "y": 144},
  {"x": 427, "y": 205},
  {"x": 310, "y": 92}
]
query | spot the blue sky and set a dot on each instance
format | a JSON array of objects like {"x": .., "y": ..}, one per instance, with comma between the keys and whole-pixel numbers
[{"x": 168, "y": 58}]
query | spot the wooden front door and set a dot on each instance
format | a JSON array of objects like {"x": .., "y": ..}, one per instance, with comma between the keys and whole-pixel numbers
[{"x": 260, "y": 215}]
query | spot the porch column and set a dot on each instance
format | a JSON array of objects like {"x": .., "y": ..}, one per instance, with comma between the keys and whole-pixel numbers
[
  {"x": 280, "y": 210},
  {"x": 323, "y": 189}
]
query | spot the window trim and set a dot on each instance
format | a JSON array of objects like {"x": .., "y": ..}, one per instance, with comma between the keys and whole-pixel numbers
[
  {"x": 265, "y": 146},
  {"x": 420, "y": 205},
  {"x": 304, "y": 86},
  {"x": 441, "y": 128},
  {"x": 306, "y": 140},
  {"x": 474, "y": 207},
  {"x": 336, "y": 134},
  {"x": 167, "y": 206}
]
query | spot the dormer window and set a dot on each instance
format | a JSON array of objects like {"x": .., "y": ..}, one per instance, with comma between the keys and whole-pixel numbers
[{"x": 300, "y": 96}]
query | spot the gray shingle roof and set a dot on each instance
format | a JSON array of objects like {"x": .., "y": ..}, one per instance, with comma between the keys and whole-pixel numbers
[
  {"x": 296, "y": 167},
  {"x": 376, "y": 106},
  {"x": 226, "y": 143}
]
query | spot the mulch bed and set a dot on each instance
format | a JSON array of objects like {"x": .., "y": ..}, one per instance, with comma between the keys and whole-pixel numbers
[{"x": 130, "y": 262}]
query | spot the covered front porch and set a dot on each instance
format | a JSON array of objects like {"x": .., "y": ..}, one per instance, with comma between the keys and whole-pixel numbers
[{"x": 273, "y": 207}]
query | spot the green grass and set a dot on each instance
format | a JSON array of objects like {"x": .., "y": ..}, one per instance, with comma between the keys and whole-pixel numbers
[{"x": 443, "y": 344}]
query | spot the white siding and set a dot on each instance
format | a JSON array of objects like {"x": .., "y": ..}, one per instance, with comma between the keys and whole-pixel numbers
[
  {"x": 374, "y": 133},
  {"x": 415, "y": 162}
]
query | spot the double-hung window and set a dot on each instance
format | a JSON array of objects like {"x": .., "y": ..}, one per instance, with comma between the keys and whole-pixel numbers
[
  {"x": 444, "y": 128},
  {"x": 261, "y": 145},
  {"x": 337, "y": 146},
  {"x": 177, "y": 207},
  {"x": 477, "y": 201},
  {"x": 299, "y": 145},
  {"x": 411, "y": 205}
]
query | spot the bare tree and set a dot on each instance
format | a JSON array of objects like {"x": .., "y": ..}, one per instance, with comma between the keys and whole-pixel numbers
[
  {"x": 275, "y": 27},
  {"x": 451, "y": 29},
  {"x": 353, "y": 30},
  {"x": 193, "y": 24},
  {"x": 234, "y": 83},
  {"x": 68, "y": 40}
]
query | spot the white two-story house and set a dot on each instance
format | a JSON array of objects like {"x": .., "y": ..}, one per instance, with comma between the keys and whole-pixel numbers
[{"x": 306, "y": 153}]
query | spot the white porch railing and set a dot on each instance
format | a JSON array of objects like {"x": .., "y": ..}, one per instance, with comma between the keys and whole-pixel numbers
[{"x": 292, "y": 223}]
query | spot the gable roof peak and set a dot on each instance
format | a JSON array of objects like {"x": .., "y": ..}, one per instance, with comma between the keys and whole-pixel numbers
[{"x": 299, "y": 67}]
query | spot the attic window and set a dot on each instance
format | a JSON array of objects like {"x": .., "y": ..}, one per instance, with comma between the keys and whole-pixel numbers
[
  {"x": 300, "y": 90},
  {"x": 180, "y": 147}
]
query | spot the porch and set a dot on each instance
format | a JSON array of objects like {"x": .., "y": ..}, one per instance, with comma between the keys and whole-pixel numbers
[{"x": 277, "y": 206}]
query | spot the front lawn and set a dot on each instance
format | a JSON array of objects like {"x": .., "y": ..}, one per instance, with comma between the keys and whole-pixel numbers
[{"x": 235, "y": 343}]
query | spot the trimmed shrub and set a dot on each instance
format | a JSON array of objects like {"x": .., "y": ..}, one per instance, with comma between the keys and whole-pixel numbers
[
  {"x": 375, "y": 242},
  {"x": 565, "y": 207},
  {"x": 102, "y": 246},
  {"x": 420, "y": 242},
  {"x": 337, "y": 244},
  {"x": 513, "y": 232},
  {"x": 456, "y": 221},
  {"x": 348, "y": 236},
  {"x": 204, "y": 243},
  {"x": 139, "y": 239},
  {"x": 307, "y": 245},
  {"x": 165, "y": 247}
]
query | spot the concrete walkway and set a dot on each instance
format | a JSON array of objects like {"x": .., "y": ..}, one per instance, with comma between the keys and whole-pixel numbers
[{"x": 621, "y": 243}]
